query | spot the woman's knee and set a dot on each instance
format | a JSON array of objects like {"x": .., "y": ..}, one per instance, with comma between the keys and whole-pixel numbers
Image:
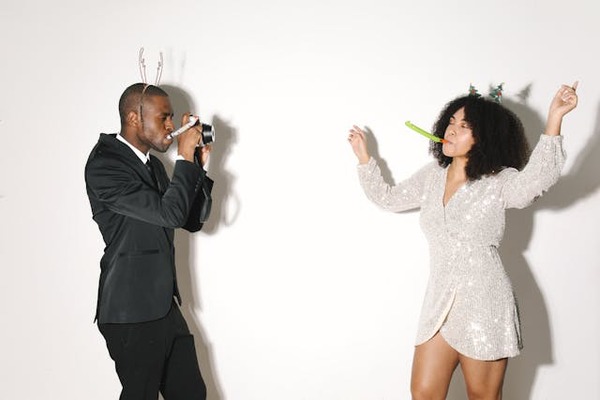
[
  {"x": 483, "y": 392},
  {"x": 484, "y": 379},
  {"x": 427, "y": 391}
]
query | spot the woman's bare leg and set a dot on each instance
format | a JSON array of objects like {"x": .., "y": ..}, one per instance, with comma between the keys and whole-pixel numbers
[
  {"x": 484, "y": 379},
  {"x": 434, "y": 363}
]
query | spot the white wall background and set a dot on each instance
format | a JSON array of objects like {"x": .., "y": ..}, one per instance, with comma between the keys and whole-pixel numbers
[{"x": 299, "y": 288}]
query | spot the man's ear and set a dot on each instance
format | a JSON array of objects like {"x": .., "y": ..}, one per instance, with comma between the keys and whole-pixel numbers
[{"x": 133, "y": 119}]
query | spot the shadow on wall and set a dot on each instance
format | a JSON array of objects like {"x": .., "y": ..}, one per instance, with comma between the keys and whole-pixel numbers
[
  {"x": 226, "y": 204},
  {"x": 187, "y": 261},
  {"x": 373, "y": 149},
  {"x": 582, "y": 181}
]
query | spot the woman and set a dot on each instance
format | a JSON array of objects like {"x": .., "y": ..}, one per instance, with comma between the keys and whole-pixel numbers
[{"x": 469, "y": 315}]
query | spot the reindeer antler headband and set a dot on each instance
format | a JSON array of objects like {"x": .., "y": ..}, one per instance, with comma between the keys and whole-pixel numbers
[{"x": 142, "y": 66}]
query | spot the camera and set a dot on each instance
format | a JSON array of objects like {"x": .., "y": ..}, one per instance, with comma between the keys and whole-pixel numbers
[{"x": 208, "y": 131}]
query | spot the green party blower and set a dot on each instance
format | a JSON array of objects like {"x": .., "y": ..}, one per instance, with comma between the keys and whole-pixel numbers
[{"x": 424, "y": 133}]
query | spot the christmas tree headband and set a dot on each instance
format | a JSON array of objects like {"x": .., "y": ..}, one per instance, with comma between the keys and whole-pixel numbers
[{"x": 495, "y": 93}]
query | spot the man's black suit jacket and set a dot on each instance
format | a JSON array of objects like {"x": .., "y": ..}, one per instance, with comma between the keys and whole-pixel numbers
[{"x": 137, "y": 220}]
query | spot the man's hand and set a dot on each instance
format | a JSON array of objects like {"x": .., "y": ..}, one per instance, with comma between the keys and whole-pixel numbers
[
  {"x": 204, "y": 153},
  {"x": 189, "y": 140}
]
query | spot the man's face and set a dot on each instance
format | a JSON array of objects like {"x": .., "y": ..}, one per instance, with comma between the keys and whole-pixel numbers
[{"x": 157, "y": 123}]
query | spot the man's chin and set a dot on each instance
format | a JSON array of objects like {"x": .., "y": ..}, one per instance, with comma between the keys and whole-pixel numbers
[{"x": 162, "y": 147}]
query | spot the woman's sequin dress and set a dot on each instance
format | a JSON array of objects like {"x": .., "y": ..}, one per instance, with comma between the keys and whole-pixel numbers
[{"x": 469, "y": 297}]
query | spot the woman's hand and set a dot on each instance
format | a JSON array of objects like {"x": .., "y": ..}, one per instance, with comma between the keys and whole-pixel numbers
[
  {"x": 359, "y": 144},
  {"x": 563, "y": 102}
]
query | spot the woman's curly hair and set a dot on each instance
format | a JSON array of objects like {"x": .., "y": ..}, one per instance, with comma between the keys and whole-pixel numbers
[{"x": 499, "y": 137}]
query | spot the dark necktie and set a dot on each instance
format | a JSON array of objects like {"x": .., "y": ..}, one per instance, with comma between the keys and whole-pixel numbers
[{"x": 150, "y": 169}]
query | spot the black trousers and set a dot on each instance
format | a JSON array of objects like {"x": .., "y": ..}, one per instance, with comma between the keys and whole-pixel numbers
[{"x": 155, "y": 356}]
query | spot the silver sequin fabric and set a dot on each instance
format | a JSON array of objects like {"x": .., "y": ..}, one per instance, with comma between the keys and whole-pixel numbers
[{"x": 469, "y": 298}]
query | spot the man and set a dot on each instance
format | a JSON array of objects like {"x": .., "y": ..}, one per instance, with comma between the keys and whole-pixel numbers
[{"x": 137, "y": 208}]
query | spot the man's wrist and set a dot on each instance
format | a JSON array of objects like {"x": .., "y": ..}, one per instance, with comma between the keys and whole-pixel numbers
[{"x": 188, "y": 156}]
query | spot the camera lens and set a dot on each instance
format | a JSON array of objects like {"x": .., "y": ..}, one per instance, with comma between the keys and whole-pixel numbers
[{"x": 208, "y": 134}]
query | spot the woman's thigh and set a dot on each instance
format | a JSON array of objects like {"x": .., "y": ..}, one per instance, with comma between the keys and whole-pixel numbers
[
  {"x": 484, "y": 379},
  {"x": 434, "y": 363}
]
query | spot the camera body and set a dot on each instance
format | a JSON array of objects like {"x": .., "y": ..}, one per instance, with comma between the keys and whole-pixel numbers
[{"x": 208, "y": 131}]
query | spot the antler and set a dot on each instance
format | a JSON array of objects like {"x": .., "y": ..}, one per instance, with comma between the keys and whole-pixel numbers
[
  {"x": 142, "y": 66},
  {"x": 159, "y": 70}
]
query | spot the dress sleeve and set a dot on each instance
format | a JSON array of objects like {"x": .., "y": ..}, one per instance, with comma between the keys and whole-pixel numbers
[
  {"x": 402, "y": 196},
  {"x": 520, "y": 189}
]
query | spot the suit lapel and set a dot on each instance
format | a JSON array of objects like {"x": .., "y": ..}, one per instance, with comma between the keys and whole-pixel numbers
[{"x": 124, "y": 153}]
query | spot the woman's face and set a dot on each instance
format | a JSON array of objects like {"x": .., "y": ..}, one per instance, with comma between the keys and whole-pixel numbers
[{"x": 458, "y": 136}]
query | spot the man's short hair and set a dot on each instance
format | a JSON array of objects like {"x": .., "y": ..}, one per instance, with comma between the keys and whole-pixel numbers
[{"x": 132, "y": 98}]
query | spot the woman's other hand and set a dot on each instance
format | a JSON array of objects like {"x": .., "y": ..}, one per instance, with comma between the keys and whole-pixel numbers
[
  {"x": 563, "y": 102},
  {"x": 358, "y": 141}
]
